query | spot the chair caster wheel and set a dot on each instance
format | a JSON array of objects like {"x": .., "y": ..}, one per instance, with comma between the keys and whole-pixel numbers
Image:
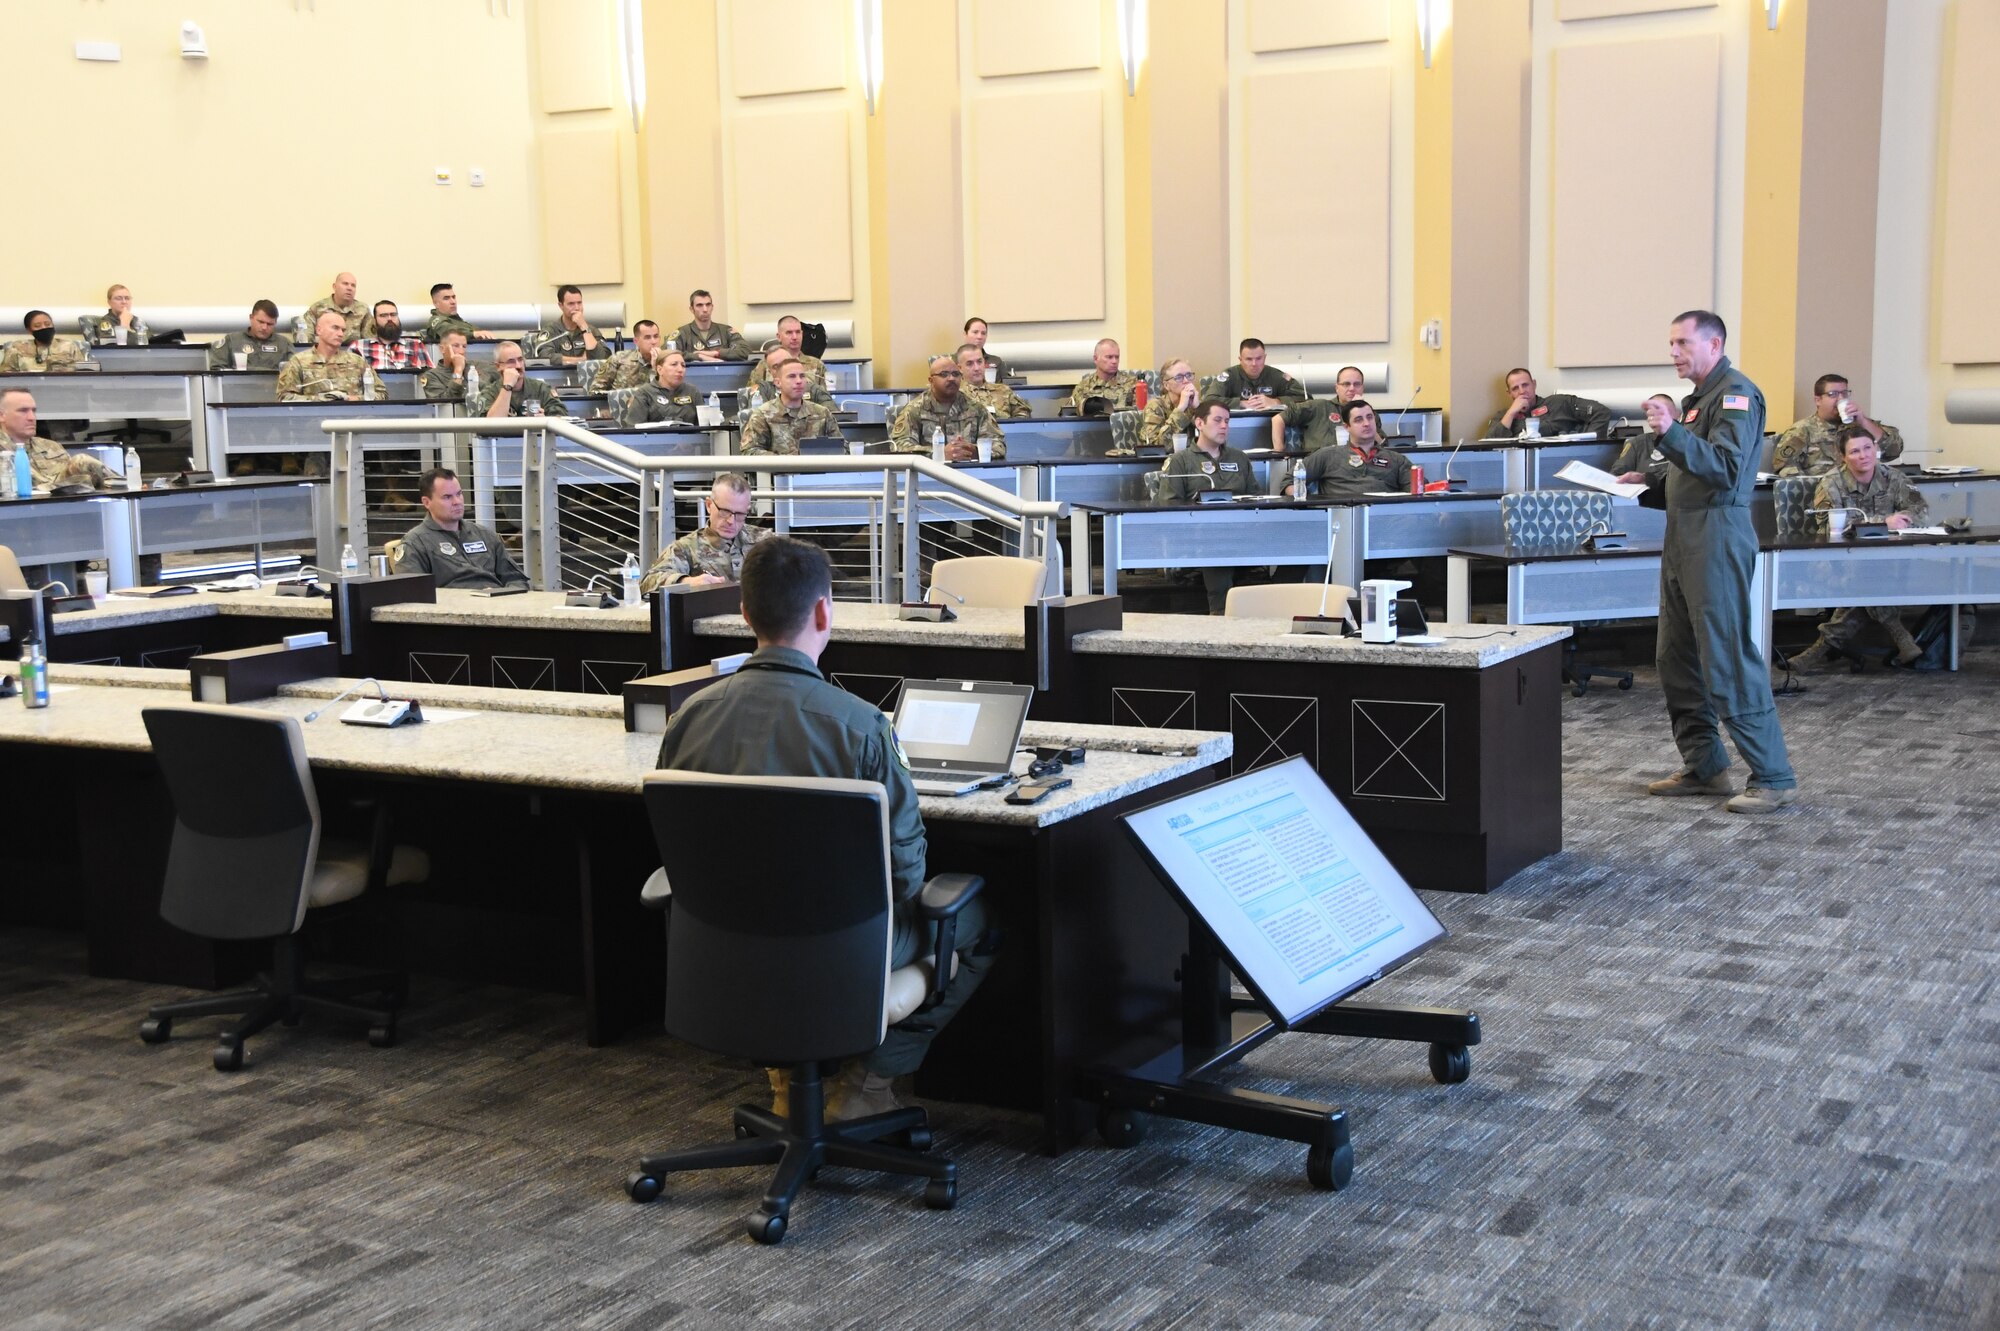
[
  {"x": 1579, "y": 690},
  {"x": 156, "y": 1030},
  {"x": 941, "y": 1194},
  {"x": 1450, "y": 1063},
  {"x": 1329, "y": 1170},
  {"x": 765, "y": 1227},
  {"x": 228, "y": 1055},
  {"x": 642, "y": 1188},
  {"x": 1625, "y": 685},
  {"x": 743, "y": 1133},
  {"x": 1121, "y": 1128},
  {"x": 383, "y": 1036},
  {"x": 916, "y": 1139}
]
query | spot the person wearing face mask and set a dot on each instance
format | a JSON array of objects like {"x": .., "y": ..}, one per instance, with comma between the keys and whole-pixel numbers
[{"x": 41, "y": 350}]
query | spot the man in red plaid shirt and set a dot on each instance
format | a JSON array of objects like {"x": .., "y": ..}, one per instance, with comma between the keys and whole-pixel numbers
[{"x": 389, "y": 349}]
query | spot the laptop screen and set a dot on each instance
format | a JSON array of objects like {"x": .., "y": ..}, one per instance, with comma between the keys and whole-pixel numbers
[{"x": 960, "y": 724}]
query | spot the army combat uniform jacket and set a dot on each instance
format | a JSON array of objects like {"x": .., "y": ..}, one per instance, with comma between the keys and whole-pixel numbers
[
  {"x": 999, "y": 399},
  {"x": 1888, "y": 492},
  {"x": 760, "y": 374},
  {"x": 27, "y": 356},
  {"x": 307, "y": 377},
  {"x": 470, "y": 557},
  {"x": 777, "y": 428},
  {"x": 627, "y": 369},
  {"x": 962, "y": 419},
  {"x": 51, "y": 464},
  {"x": 1812, "y": 446},
  {"x": 703, "y": 551},
  {"x": 359, "y": 321},
  {"x": 1121, "y": 390}
]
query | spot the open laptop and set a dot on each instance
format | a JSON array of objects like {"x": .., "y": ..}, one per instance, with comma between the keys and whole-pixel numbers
[{"x": 960, "y": 734}]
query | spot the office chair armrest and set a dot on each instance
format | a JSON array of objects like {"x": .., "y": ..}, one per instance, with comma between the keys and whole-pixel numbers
[{"x": 945, "y": 894}]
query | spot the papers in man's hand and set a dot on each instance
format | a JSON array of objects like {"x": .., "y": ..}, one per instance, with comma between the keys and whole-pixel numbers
[{"x": 1582, "y": 473}]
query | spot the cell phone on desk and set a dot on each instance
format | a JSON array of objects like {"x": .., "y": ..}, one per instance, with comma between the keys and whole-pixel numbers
[
  {"x": 1034, "y": 792},
  {"x": 501, "y": 591}
]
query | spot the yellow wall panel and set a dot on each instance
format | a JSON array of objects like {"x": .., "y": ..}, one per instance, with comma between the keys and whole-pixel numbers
[
  {"x": 576, "y": 56},
  {"x": 1969, "y": 329},
  {"x": 1567, "y": 10},
  {"x": 1038, "y": 237},
  {"x": 1035, "y": 37},
  {"x": 1622, "y": 269},
  {"x": 795, "y": 244},
  {"x": 581, "y": 205},
  {"x": 1297, "y": 25},
  {"x": 780, "y": 46},
  {"x": 1317, "y": 258}
]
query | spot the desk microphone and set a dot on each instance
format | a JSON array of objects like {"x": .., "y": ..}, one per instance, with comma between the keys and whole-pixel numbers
[
  {"x": 1453, "y": 458},
  {"x": 383, "y": 712},
  {"x": 1319, "y": 623},
  {"x": 926, "y": 612},
  {"x": 584, "y": 600},
  {"x": 1406, "y": 407}
]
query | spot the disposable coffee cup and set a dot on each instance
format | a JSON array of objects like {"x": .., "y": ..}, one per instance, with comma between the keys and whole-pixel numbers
[
  {"x": 856, "y": 447},
  {"x": 242, "y": 359},
  {"x": 118, "y": 334},
  {"x": 1836, "y": 522},
  {"x": 1846, "y": 412},
  {"x": 97, "y": 583},
  {"x": 1180, "y": 443},
  {"x": 378, "y": 566},
  {"x": 1532, "y": 427},
  {"x": 985, "y": 450},
  {"x": 992, "y": 375}
]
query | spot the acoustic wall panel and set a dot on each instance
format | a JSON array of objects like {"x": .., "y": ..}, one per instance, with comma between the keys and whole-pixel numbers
[
  {"x": 1567, "y": 10},
  {"x": 1035, "y": 37},
  {"x": 1317, "y": 253},
  {"x": 1299, "y": 25},
  {"x": 1969, "y": 329},
  {"x": 794, "y": 207},
  {"x": 1038, "y": 238},
  {"x": 576, "y": 66},
  {"x": 581, "y": 232},
  {"x": 1624, "y": 262},
  {"x": 780, "y": 46}
]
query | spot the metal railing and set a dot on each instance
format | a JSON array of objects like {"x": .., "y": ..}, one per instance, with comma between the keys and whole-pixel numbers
[{"x": 572, "y": 503}]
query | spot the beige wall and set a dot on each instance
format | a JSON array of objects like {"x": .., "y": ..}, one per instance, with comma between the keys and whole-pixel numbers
[{"x": 257, "y": 172}]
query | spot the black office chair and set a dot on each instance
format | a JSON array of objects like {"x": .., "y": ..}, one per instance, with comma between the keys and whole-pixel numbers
[
  {"x": 782, "y": 958},
  {"x": 248, "y": 862}
]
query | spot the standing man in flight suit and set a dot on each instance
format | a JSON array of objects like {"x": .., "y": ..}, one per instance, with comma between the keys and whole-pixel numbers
[{"x": 1709, "y": 664}]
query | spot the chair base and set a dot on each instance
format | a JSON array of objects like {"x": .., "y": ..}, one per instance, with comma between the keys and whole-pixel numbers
[
  {"x": 1578, "y": 673},
  {"x": 284, "y": 996},
  {"x": 799, "y": 1146}
]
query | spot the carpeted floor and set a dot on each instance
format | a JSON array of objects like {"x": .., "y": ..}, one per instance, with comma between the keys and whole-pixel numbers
[{"x": 1738, "y": 1073}]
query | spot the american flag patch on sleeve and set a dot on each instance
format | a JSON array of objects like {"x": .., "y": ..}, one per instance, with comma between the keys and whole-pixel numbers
[{"x": 1735, "y": 402}]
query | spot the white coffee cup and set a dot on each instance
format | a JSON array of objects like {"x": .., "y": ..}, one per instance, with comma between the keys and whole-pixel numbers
[
  {"x": 1532, "y": 427},
  {"x": 242, "y": 360},
  {"x": 856, "y": 447},
  {"x": 1180, "y": 443},
  {"x": 118, "y": 334},
  {"x": 985, "y": 450},
  {"x": 1846, "y": 412},
  {"x": 97, "y": 582},
  {"x": 992, "y": 375},
  {"x": 1836, "y": 522}
]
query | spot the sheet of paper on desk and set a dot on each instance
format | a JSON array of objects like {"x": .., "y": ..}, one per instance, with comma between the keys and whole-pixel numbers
[
  {"x": 1582, "y": 473},
  {"x": 1921, "y": 531},
  {"x": 447, "y": 713}
]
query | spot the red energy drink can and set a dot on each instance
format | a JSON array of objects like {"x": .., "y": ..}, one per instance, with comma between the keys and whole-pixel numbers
[{"x": 1416, "y": 480}]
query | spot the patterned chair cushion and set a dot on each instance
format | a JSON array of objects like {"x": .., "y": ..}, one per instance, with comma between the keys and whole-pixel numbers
[
  {"x": 1792, "y": 496},
  {"x": 1552, "y": 519},
  {"x": 1125, "y": 430}
]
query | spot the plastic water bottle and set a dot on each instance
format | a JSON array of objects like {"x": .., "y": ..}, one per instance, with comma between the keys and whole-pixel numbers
[
  {"x": 350, "y": 563},
  {"x": 34, "y": 673},
  {"x": 629, "y": 576},
  {"x": 24, "y": 475},
  {"x": 299, "y": 330},
  {"x": 7, "y": 481},
  {"x": 937, "y": 443},
  {"x": 1299, "y": 479},
  {"x": 715, "y": 402},
  {"x": 145, "y": 334},
  {"x": 471, "y": 381},
  {"x": 368, "y": 383},
  {"x": 132, "y": 477}
]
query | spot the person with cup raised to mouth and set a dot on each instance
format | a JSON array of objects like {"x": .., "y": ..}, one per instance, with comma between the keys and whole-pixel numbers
[
  {"x": 1879, "y": 494},
  {"x": 1811, "y": 446}
]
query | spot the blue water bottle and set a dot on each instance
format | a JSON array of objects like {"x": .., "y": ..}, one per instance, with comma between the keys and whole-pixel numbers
[
  {"x": 24, "y": 475},
  {"x": 34, "y": 673}
]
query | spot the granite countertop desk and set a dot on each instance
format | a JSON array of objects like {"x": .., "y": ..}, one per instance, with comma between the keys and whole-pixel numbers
[
  {"x": 1466, "y": 646},
  {"x": 993, "y": 630}
]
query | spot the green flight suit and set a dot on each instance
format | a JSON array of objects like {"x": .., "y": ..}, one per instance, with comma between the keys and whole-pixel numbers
[
  {"x": 1565, "y": 413},
  {"x": 778, "y": 716},
  {"x": 1183, "y": 478},
  {"x": 1236, "y": 384},
  {"x": 1709, "y": 664}
]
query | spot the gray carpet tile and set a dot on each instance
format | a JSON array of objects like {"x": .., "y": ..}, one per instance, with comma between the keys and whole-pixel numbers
[{"x": 1738, "y": 1073}]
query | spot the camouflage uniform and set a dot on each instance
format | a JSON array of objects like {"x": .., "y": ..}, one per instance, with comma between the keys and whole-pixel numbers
[
  {"x": 1121, "y": 388},
  {"x": 308, "y": 378},
  {"x": 651, "y": 402},
  {"x": 1235, "y": 385},
  {"x": 627, "y": 369},
  {"x": 530, "y": 390},
  {"x": 719, "y": 337},
  {"x": 1888, "y": 491},
  {"x": 777, "y": 428},
  {"x": 1564, "y": 413},
  {"x": 266, "y": 353},
  {"x": 1162, "y": 421},
  {"x": 961, "y": 419},
  {"x": 1349, "y": 473},
  {"x": 557, "y": 340},
  {"x": 761, "y": 374},
  {"x": 1812, "y": 446},
  {"x": 702, "y": 552},
  {"x": 999, "y": 399},
  {"x": 359, "y": 321},
  {"x": 51, "y": 464},
  {"x": 441, "y": 323},
  {"x": 26, "y": 356}
]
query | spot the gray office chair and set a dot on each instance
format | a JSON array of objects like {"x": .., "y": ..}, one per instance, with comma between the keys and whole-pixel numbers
[
  {"x": 782, "y": 958},
  {"x": 248, "y": 862}
]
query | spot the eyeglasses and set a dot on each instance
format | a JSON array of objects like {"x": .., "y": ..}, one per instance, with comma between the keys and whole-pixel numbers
[
  {"x": 720, "y": 512},
  {"x": 946, "y": 374},
  {"x": 1182, "y": 377}
]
